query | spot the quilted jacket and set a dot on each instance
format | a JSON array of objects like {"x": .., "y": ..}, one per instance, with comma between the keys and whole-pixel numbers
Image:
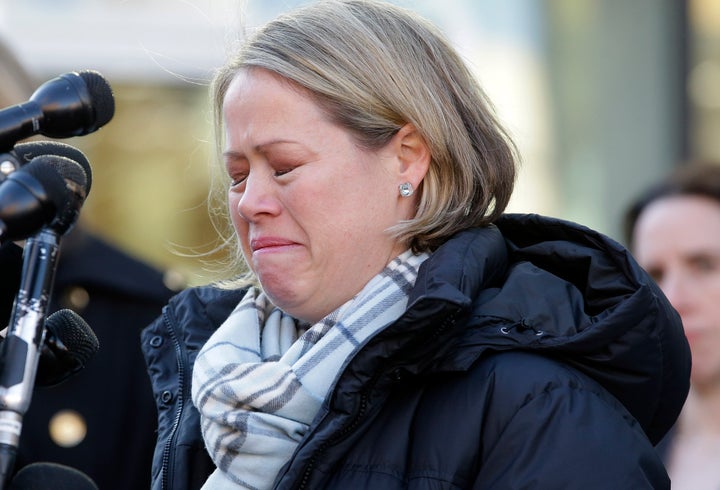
[{"x": 534, "y": 353}]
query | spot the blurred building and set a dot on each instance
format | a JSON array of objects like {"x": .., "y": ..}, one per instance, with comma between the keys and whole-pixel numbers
[{"x": 602, "y": 96}]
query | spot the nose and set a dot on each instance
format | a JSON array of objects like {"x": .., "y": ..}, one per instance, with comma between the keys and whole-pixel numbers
[{"x": 258, "y": 198}]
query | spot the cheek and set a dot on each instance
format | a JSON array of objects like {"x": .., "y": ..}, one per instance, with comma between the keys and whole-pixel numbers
[
  {"x": 705, "y": 289},
  {"x": 232, "y": 203},
  {"x": 238, "y": 222}
]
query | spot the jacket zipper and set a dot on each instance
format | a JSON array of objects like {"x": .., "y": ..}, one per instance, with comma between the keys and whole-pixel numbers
[
  {"x": 178, "y": 412},
  {"x": 340, "y": 435},
  {"x": 449, "y": 320}
]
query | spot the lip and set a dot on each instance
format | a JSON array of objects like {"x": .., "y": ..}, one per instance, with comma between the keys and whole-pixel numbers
[{"x": 269, "y": 243}]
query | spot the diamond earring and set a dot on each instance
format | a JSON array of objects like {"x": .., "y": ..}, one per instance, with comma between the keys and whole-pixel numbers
[{"x": 406, "y": 189}]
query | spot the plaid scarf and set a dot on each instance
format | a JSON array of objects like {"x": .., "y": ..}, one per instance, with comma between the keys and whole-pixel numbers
[{"x": 261, "y": 378}]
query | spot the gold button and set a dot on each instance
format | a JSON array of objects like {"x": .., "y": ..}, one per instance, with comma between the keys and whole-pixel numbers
[
  {"x": 174, "y": 280},
  {"x": 67, "y": 428},
  {"x": 77, "y": 298}
]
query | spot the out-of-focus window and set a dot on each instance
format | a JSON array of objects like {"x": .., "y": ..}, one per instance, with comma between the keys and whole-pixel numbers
[{"x": 704, "y": 79}]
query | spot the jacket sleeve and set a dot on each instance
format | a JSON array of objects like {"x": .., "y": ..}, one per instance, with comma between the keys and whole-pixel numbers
[{"x": 556, "y": 428}]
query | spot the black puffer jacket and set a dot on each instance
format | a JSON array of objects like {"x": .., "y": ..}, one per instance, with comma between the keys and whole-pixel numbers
[{"x": 533, "y": 354}]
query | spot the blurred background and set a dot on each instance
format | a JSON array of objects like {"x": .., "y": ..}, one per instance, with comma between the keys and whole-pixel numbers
[{"x": 602, "y": 97}]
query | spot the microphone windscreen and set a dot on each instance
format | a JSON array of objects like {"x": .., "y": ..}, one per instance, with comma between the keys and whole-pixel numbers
[
  {"x": 102, "y": 96},
  {"x": 46, "y": 476},
  {"x": 79, "y": 339},
  {"x": 50, "y": 179},
  {"x": 69, "y": 344},
  {"x": 67, "y": 168},
  {"x": 27, "y": 151}
]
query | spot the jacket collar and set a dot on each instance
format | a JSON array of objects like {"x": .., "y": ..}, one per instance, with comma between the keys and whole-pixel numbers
[{"x": 546, "y": 285}]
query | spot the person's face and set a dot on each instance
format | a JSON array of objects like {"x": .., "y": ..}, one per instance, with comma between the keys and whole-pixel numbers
[
  {"x": 677, "y": 240},
  {"x": 310, "y": 207}
]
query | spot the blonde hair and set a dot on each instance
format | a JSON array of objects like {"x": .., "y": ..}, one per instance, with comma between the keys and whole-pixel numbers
[{"x": 372, "y": 67}]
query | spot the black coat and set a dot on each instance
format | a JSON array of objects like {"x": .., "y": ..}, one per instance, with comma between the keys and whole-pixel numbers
[
  {"x": 112, "y": 394},
  {"x": 533, "y": 354}
]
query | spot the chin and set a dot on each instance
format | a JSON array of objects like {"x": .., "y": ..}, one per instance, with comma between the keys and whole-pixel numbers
[{"x": 282, "y": 297}]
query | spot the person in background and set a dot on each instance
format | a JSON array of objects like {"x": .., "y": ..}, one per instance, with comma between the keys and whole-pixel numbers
[
  {"x": 102, "y": 420},
  {"x": 397, "y": 330},
  {"x": 673, "y": 229}
]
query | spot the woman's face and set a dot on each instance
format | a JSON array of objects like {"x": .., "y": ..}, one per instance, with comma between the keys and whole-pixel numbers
[
  {"x": 310, "y": 207},
  {"x": 677, "y": 240}
]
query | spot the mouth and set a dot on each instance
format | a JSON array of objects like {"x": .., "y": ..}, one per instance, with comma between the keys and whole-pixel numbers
[{"x": 269, "y": 243}]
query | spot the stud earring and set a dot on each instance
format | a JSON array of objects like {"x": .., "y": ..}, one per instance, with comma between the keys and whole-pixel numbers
[{"x": 406, "y": 189}]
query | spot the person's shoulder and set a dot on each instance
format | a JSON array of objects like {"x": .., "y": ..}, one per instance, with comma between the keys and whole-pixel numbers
[
  {"x": 519, "y": 376},
  {"x": 192, "y": 315},
  {"x": 207, "y": 301},
  {"x": 521, "y": 387},
  {"x": 209, "y": 294}
]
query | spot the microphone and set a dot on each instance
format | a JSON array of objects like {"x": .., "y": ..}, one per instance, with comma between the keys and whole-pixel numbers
[
  {"x": 23, "y": 153},
  {"x": 48, "y": 190},
  {"x": 73, "y": 104},
  {"x": 69, "y": 344},
  {"x": 76, "y": 181},
  {"x": 29, "y": 199},
  {"x": 19, "y": 353},
  {"x": 42, "y": 476}
]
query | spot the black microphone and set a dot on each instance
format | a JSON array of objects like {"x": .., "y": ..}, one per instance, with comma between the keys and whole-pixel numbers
[
  {"x": 50, "y": 187},
  {"x": 19, "y": 353},
  {"x": 76, "y": 182},
  {"x": 69, "y": 344},
  {"x": 24, "y": 153},
  {"x": 73, "y": 104},
  {"x": 43, "y": 476},
  {"x": 29, "y": 199}
]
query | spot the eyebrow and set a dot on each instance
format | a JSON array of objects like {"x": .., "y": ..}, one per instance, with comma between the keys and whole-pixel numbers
[{"x": 261, "y": 148}]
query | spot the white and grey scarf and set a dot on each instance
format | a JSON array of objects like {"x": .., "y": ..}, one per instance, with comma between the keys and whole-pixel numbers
[{"x": 261, "y": 378}]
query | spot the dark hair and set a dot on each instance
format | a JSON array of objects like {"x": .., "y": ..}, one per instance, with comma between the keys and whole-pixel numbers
[{"x": 696, "y": 178}]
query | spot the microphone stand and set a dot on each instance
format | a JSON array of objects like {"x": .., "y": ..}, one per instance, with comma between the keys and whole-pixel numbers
[{"x": 20, "y": 351}]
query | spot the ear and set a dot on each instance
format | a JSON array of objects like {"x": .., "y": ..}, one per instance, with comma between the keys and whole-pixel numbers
[{"x": 413, "y": 155}]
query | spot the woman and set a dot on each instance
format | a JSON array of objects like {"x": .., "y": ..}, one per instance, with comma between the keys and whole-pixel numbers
[
  {"x": 401, "y": 332},
  {"x": 674, "y": 231}
]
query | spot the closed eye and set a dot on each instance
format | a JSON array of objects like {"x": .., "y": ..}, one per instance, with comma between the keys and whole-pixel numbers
[
  {"x": 280, "y": 173},
  {"x": 237, "y": 182},
  {"x": 237, "y": 178},
  {"x": 237, "y": 167}
]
